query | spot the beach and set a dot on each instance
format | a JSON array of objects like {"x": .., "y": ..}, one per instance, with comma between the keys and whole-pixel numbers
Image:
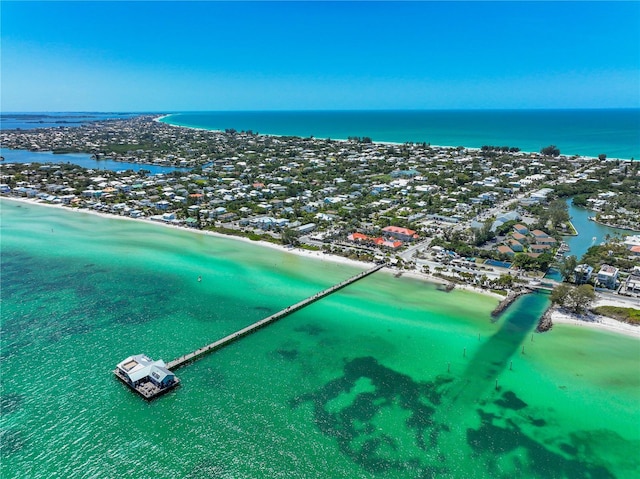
[
  {"x": 596, "y": 321},
  {"x": 586, "y": 133},
  {"x": 560, "y": 317}
]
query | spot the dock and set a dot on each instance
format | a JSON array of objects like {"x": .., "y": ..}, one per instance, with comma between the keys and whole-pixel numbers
[{"x": 220, "y": 343}]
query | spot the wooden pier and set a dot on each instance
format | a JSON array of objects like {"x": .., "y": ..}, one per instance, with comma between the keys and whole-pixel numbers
[{"x": 187, "y": 358}]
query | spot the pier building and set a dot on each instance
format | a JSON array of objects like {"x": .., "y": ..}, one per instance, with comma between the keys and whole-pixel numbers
[{"x": 147, "y": 377}]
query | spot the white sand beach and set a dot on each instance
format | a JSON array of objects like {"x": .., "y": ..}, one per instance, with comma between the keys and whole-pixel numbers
[{"x": 590, "y": 320}]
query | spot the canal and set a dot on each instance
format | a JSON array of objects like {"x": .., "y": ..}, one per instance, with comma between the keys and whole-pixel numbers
[{"x": 589, "y": 232}]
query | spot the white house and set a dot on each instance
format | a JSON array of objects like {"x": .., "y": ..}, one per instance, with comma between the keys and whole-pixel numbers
[{"x": 607, "y": 276}]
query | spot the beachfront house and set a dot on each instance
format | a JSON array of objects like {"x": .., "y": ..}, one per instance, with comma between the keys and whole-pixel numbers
[
  {"x": 582, "y": 273},
  {"x": 607, "y": 276},
  {"x": 357, "y": 237},
  {"x": 306, "y": 228}
]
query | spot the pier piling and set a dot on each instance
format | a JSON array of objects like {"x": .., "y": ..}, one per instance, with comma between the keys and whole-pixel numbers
[{"x": 187, "y": 358}]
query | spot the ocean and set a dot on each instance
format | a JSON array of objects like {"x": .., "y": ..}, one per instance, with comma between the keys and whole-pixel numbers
[
  {"x": 613, "y": 132},
  {"x": 387, "y": 378}
]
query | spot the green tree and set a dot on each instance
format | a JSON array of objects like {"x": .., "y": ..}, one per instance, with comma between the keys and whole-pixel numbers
[
  {"x": 576, "y": 299},
  {"x": 558, "y": 213},
  {"x": 580, "y": 200},
  {"x": 551, "y": 150},
  {"x": 567, "y": 266},
  {"x": 484, "y": 234},
  {"x": 560, "y": 294},
  {"x": 290, "y": 237},
  {"x": 582, "y": 297}
]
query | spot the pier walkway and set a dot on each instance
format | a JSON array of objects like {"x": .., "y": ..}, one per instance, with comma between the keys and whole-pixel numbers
[{"x": 182, "y": 360}]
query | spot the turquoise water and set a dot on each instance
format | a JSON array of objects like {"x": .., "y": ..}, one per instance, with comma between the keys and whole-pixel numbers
[
  {"x": 388, "y": 378},
  {"x": 615, "y": 133}
]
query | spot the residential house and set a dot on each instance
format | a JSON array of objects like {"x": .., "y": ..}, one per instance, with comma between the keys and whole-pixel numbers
[
  {"x": 582, "y": 273},
  {"x": 502, "y": 249},
  {"x": 539, "y": 234},
  {"x": 521, "y": 229},
  {"x": 520, "y": 238},
  {"x": 547, "y": 240},
  {"x": 608, "y": 276},
  {"x": 539, "y": 248},
  {"x": 515, "y": 245}
]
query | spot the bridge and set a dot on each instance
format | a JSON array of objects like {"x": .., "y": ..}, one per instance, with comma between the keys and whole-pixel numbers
[{"x": 220, "y": 343}]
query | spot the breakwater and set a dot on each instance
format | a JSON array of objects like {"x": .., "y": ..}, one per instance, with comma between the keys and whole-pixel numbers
[
  {"x": 545, "y": 323},
  {"x": 507, "y": 301}
]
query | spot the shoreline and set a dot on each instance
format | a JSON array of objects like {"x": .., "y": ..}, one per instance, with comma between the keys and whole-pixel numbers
[
  {"x": 380, "y": 142},
  {"x": 557, "y": 316},
  {"x": 595, "y": 321},
  {"x": 593, "y": 218},
  {"x": 317, "y": 255},
  {"x": 297, "y": 251}
]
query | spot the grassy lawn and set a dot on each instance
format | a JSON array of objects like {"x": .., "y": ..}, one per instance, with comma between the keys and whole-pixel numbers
[{"x": 626, "y": 315}]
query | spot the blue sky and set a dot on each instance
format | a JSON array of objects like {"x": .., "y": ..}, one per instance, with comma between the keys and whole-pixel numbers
[{"x": 166, "y": 56}]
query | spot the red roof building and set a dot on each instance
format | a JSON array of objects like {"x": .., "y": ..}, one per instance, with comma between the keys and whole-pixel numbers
[
  {"x": 358, "y": 237},
  {"x": 404, "y": 234}
]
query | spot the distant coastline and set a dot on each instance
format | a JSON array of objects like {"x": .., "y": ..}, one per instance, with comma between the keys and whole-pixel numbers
[{"x": 586, "y": 133}]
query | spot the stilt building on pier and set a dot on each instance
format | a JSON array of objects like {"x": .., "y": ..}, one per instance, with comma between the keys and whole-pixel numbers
[{"x": 147, "y": 377}]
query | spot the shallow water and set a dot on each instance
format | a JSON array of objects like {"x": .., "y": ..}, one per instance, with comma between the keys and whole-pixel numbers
[{"x": 387, "y": 378}]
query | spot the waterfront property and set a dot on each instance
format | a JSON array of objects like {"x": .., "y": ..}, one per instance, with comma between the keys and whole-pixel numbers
[
  {"x": 145, "y": 376},
  {"x": 583, "y": 273},
  {"x": 608, "y": 276}
]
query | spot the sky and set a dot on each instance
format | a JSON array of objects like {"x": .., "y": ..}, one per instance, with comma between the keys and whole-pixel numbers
[{"x": 199, "y": 55}]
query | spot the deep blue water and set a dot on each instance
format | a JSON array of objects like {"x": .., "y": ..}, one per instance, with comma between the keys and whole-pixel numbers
[
  {"x": 614, "y": 132},
  {"x": 81, "y": 159}
]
